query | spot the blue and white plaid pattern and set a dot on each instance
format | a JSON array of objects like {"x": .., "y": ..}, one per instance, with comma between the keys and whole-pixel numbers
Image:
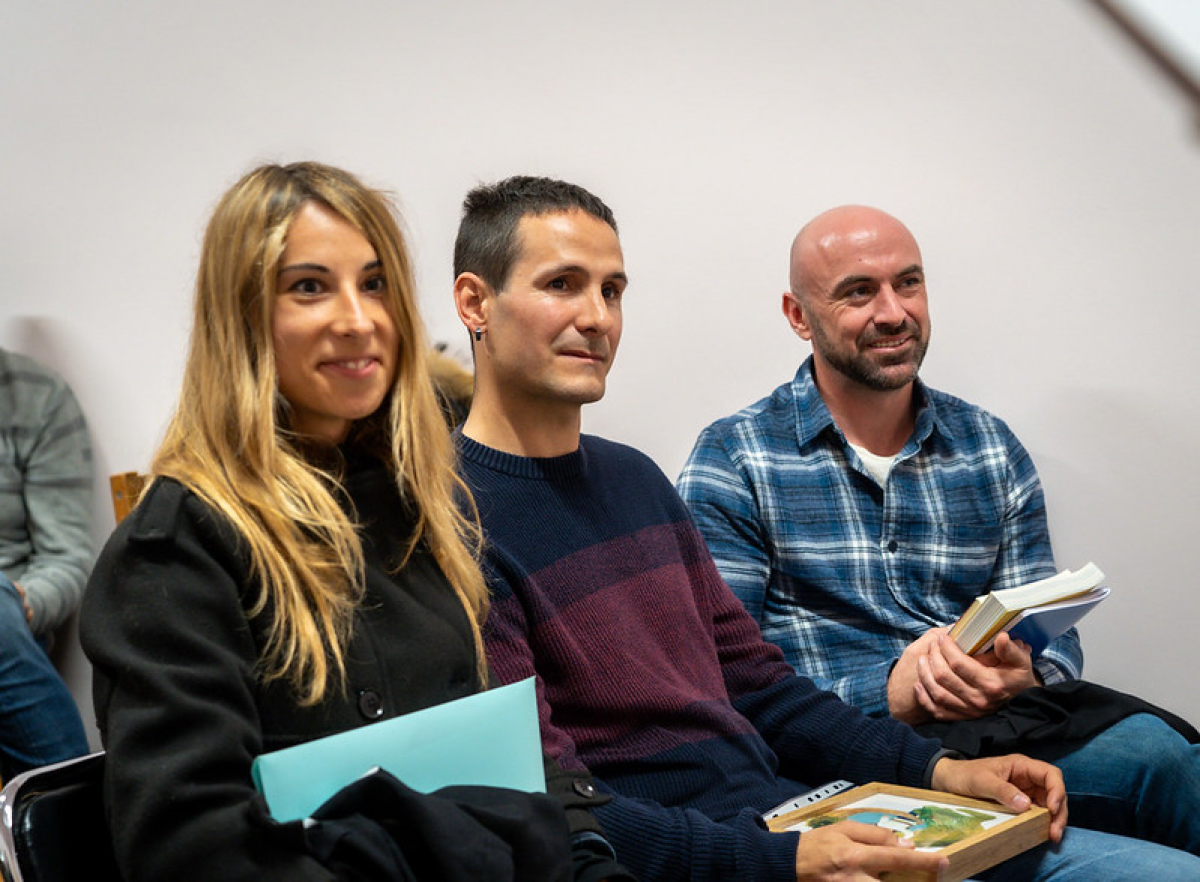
[{"x": 843, "y": 574}]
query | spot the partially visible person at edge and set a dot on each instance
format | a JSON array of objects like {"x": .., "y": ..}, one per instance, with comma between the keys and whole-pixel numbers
[
  {"x": 298, "y": 567},
  {"x": 45, "y": 556},
  {"x": 649, "y": 671},
  {"x": 856, "y": 513}
]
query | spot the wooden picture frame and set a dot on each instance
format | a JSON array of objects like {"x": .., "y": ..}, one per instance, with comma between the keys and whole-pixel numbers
[{"x": 1005, "y": 835}]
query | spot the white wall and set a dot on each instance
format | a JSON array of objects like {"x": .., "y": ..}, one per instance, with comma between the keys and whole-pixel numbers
[{"x": 1050, "y": 175}]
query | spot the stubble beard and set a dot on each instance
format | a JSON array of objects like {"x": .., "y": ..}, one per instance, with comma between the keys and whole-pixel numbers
[{"x": 861, "y": 368}]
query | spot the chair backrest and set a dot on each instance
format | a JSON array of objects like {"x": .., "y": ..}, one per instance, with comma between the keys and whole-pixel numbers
[
  {"x": 52, "y": 826},
  {"x": 126, "y": 488}
]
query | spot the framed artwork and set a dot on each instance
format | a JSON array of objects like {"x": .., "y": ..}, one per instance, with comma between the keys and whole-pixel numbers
[{"x": 973, "y": 834}]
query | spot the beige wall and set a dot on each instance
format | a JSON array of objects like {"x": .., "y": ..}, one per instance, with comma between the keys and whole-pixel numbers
[{"x": 1052, "y": 178}]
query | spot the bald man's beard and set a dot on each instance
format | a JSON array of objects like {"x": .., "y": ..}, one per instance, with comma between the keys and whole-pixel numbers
[{"x": 874, "y": 369}]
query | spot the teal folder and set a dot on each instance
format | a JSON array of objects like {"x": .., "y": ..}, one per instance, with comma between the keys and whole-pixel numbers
[{"x": 490, "y": 738}]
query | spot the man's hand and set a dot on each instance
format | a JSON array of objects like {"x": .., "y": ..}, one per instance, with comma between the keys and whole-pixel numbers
[
  {"x": 849, "y": 850},
  {"x": 1013, "y": 781},
  {"x": 904, "y": 680},
  {"x": 934, "y": 679},
  {"x": 24, "y": 602}
]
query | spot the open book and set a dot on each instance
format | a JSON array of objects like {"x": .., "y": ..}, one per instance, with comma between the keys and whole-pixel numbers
[{"x": 1035, "y": 613}]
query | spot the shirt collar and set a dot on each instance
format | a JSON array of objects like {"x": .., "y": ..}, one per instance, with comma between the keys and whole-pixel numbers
[{"x": 812, "y": 416}]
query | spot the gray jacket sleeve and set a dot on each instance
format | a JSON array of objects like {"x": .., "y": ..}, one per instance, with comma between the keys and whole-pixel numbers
[{"x": 45, "y": 493}]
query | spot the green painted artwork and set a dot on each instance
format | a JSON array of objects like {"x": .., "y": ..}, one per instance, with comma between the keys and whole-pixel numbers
[{"x": 930, "y": 826}]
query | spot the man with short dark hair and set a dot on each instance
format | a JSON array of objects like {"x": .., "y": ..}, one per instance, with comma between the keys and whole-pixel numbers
[
  {"x": 856, "y": 513},
  {"x": 649, "y": 672}
]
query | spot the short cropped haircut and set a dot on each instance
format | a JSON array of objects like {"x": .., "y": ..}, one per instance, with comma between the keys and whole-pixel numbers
[{"x": 487, "y": 235}]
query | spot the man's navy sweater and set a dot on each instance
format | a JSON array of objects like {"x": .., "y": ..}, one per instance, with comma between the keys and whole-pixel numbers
[{"x": 649, "y": 671}]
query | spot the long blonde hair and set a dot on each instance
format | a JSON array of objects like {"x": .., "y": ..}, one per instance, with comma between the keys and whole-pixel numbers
[{"x": 230, "y": 443}]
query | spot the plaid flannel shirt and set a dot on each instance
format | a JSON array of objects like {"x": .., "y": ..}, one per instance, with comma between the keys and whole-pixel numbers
[{"x": 841, "y": 573}]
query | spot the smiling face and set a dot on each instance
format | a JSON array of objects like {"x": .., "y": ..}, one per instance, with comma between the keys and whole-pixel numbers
[
  {"x": 859, "y": 297},
  {"x": 336, "y": 345},
  {"x": 553, "y": 331}
]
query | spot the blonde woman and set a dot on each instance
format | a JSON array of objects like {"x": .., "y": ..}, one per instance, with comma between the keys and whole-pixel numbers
[{"x": 299, "y": 566}]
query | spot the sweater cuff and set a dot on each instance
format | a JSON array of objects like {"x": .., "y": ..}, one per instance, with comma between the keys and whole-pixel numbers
[{"x": 771, "y": 855}]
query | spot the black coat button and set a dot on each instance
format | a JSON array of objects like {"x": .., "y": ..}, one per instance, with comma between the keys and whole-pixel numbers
[
  {"x": 370, "y": 704},
  {"x": 892, "y": 546},
  {"x": 584, "y": 788}
]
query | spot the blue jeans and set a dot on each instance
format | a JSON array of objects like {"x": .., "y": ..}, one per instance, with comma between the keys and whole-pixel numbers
[
  {"x": 1137, "y": 778},
  {"x": 39, "y": 722},
  {"x": 1089, "y": 856}
]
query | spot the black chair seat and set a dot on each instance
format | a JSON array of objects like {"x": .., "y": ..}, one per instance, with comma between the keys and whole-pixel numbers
[{"x": 53, "y": 825}]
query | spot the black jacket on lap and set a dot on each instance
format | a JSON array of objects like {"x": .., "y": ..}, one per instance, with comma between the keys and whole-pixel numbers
[{"x": 1053, "y": 714}]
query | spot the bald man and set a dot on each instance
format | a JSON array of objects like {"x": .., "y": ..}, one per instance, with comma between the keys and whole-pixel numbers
[{"x": 856, "y": 513}]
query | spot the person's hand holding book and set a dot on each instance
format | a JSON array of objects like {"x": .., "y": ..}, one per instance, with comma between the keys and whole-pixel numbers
[{"x": 935, "y": 680}]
